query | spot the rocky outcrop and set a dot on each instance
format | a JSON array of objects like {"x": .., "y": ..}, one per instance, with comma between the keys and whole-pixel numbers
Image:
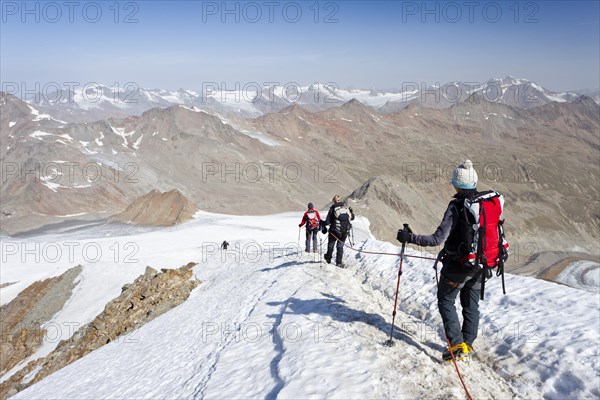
[
  {"x": 158, "y": 209},
  {"x": 149, "y": 296},
  {"x": 21, "y": 319}
]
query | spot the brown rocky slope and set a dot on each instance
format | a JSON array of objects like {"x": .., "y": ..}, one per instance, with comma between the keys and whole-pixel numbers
[
  {"x": 21, "y": 319},
  {"x": 149, "y": 296}
]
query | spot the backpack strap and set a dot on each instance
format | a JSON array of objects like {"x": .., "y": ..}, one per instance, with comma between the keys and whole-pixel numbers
[
  {"x": 458, "y": 254},
  {"x": 502, "y": 250},
  {"x": 482, "y": 283},
  {"x": 501, "y": 273}
]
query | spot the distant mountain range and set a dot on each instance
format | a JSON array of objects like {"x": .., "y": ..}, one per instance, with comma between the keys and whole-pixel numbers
[
  {"x": 396, "y": 164},
  {"x": 94, "y": 102}
]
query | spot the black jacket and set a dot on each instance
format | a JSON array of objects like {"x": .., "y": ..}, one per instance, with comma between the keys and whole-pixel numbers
[
  {"x": 450, "y": 231},
  {"x": 332, "y": 221}
]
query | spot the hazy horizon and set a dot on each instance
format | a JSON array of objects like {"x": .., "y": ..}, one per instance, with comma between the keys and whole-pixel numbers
[{"x": 173, "y": 45}]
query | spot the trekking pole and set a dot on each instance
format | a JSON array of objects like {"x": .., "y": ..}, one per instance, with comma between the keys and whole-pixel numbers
[
  {"x": 299, "y": 230},
  {"x": 320, "y": 253},
  {"x": 390, "y": 342}
]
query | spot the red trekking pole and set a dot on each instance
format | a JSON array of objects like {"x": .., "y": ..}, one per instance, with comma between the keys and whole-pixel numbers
[{"x": 390, "y": 342}]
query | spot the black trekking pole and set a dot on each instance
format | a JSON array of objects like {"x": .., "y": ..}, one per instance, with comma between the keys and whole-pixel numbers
[{"x": 390, "y": 342}]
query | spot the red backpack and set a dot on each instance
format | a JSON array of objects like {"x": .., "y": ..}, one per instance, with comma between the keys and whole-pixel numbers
[
  {"x": 313, "y": 221},
  {"x": 487, "y": 247}
]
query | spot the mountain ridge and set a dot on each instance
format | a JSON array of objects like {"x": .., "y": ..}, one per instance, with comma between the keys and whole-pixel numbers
[
  {"x": 97, "y": 101},
  {"x": 281, "y": 160}
]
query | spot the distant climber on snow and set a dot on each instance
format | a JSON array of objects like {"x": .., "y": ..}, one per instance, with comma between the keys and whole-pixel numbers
[
  {"x": 312, "y": 219},
  {"x": 338, "y": 219},
  {"x": 224, "y": 245},
  {"x": 473, "y": 237}
]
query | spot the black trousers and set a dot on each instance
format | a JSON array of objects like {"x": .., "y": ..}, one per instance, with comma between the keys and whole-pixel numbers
[
  {"x": 468, "y": 286},
  {"x": 338, "y": 244}
]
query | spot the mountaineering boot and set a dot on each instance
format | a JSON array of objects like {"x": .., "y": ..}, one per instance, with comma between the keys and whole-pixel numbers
[
  {"x": 340, "y": 265},
  {"x": 315, "y": 251},
  {"x": 461, "y": 352},
  {"x": 327, "y": 259}
]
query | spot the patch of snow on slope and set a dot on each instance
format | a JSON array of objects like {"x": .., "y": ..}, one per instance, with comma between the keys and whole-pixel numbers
[
  {"x": 137, "y": 143},
  {"x": 121, "y": 132},
  {"x": 40, "y": 117},
  {"x": 39, "y": 134},
  {"x": 47, "y": 181},
  {"x": 253, "y": 134},
  {"x": 99, "y": 140}
]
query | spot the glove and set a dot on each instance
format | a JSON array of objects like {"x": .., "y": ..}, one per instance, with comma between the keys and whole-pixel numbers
[
  {"x": 405, "y": 234},
  {"x": 299, "y": 225}
]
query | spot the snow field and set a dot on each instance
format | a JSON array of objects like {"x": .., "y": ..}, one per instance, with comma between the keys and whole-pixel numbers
[{"x": 283, "y": 325}]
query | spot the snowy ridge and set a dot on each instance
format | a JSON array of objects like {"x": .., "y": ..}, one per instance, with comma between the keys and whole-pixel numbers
[
  {"x": 40, "y": 117},
  {"x": 253, "y": 100},
  {"x": 269, "y": 322},
  {"x": 261, "y": 137}
]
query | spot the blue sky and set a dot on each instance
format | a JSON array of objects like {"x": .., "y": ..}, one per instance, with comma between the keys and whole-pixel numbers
[{"x": 352, "y": 43}]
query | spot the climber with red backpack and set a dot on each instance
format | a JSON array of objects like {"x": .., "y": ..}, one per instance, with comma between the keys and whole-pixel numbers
[
  {"x": 474, "y": 245},
  {"x": 312, "y": 219}
]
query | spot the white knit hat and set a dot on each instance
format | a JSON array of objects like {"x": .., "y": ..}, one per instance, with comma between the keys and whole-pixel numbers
[{"x": 464, "y": 176}]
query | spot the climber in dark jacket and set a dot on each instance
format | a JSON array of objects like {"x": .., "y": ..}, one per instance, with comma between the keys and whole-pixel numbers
[
  {"x": 455, "y": 278},
  {"x": 338, "y": 219}
]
